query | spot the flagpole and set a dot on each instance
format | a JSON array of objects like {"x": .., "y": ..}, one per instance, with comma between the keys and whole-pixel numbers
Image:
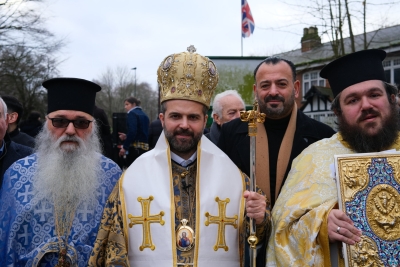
[
  {"x": 241, "y": 30},
  {"x": 241, "y": 40}
]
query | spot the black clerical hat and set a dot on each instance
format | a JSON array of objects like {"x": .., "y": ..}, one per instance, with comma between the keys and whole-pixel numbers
[
  {"x": 354, "y": 68},
  {"x": 13, "y": 104},
  {"x": 71, "y": 94}
]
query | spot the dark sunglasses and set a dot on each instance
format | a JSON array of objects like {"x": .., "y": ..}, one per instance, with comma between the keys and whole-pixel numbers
[{"x": 63, "y": 123}]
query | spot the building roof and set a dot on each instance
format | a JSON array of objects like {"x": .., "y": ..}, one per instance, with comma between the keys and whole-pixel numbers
[
  {"x": 321, "y": 92},
  {"x": 324, "y": 92},
  {"x": 385, "y": 38}
]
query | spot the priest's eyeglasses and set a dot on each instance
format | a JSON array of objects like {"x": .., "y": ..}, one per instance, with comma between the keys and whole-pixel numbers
[{"x": 63, "y": 123}]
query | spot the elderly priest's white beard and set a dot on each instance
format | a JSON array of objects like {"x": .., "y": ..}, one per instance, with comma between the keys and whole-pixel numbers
[{"x": 67, "y": 175}]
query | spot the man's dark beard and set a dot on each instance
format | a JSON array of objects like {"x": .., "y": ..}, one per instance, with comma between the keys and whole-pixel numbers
[
  {"x": 180, "y": 146},
  {"x": 275, "y": 113},
  {"x": 362, "y": 142}
]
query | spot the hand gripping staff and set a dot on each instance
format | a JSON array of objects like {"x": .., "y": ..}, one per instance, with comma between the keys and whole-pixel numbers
[{"x": 252, "y": 117}]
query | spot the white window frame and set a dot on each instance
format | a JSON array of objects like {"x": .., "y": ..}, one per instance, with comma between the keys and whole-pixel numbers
[
  {"x": 311, "y": 78},
  {"x": 391, "y": 64}
]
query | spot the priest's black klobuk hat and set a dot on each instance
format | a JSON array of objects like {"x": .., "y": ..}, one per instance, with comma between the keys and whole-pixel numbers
[
  {"x": 71, "y": 94},
  {"x": 354, "y": 68}
]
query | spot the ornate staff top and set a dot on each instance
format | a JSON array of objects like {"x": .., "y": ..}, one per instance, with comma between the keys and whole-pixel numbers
[{"x": 253, "y": 116}]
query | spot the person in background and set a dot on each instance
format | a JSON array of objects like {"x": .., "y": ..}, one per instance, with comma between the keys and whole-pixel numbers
[
  {"x": 32, "y": 126},
  {"x": 9, "y": 150},
  {"x": 52, "y": 201},
  {"x": 15, "y": 112},
  {"x": 104, "y": 132},
  {"x": 285, "y": 133},
  {"x": 226, "y": 107},
  {"x": 136, "y": 138},
  {"x": 155, "y": 130}
]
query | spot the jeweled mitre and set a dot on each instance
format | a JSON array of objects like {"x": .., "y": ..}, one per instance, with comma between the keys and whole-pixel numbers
[{"x": 187, "y": 76}]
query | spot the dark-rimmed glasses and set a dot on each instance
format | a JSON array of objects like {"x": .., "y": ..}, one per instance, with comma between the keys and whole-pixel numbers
[{"x": 63, "y": 123}]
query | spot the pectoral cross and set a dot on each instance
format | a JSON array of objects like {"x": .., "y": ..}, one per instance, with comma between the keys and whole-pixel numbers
[
  {"x": 146, "y": 219},
  {"x": 222, "y": 221}
]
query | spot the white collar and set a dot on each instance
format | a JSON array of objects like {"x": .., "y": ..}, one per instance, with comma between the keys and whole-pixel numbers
[{"x": 182, "y": 161}]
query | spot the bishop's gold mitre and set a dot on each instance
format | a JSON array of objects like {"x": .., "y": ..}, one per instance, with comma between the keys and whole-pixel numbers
[{"x": 187, "y": 76}]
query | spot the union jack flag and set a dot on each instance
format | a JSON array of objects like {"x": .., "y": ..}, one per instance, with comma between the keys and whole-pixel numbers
[{"x": 247, "y": 20}]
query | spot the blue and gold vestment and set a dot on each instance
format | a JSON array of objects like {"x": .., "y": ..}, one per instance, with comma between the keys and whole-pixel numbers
[{"x": 27, "y": 231}]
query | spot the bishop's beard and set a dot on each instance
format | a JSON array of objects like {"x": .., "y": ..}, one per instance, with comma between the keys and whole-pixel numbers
[
  {"x": 68, "y": 176},
  {"x": 361, "y": 142}
]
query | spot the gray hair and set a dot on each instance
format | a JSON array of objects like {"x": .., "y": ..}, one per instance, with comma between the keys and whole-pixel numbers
[
  {"x": 4, "y": 107},
  {"x": 217, "y": 107}
]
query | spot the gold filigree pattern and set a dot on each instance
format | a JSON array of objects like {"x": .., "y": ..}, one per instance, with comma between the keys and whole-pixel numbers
[
  {"x": 300, "y": 231},
  {"x": 252, "y": 117},
  {"x": 365, "y": 253},
  {"x": 146, "y": 219},
  {"x": 395, "y": 163},
  {"x": 184, "y": 181},
  {"x": 110, "y": 246},
  {"x": 355, "y": 174},
  {"x": 383, "y": 212},
  {"x": 187, "y": 76},
  {"x": 222, "y": 221}
]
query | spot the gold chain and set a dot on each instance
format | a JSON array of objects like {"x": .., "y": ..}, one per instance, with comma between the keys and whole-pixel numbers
[{"x": 63, "y": 228}]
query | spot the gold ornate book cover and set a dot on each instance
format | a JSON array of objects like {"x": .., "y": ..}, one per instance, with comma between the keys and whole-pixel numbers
[{"x": 369, "y": 193}]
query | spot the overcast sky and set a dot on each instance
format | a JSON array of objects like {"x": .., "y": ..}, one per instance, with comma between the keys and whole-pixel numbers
[{"x": 132, "y": 33}]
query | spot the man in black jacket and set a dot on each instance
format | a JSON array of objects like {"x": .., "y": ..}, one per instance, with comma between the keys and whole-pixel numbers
[
  {"x": 155, "y": 130},
  {"x": 15, "y": 111},
  {"x": 284, "y": 134},
  {"x": 287, "y": 132},
  {"x": 9, "y": 150},
  {"x": 104, "y": 132}
]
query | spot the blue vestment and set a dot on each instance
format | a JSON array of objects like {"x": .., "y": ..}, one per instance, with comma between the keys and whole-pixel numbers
[{"x": 27, "y": 232}]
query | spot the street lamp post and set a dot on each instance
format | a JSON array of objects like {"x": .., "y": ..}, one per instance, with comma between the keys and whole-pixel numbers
[{"x": 135, "y": 81}]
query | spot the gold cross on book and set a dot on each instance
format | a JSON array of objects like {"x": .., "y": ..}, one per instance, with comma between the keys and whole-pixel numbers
[
  {"x": 145, "y": 220},
  {"x": 222, "y": 221}
]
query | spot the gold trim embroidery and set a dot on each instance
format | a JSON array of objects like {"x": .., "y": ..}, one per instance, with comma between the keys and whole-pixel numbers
[
  {"x": 172, "y": 203},
  {"x": 241, "y": 220},
  {"x": 198, "y": 230},
  {"x": 123, "y": 208}
]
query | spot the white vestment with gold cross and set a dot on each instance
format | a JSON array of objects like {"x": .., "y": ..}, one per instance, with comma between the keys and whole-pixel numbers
[{"x": 150, "y": 177}]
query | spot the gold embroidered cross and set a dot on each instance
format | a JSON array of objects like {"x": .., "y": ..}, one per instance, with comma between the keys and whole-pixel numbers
[
  {"x": 146, "y": 219},
  {"x": 222, "y": 221}
]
